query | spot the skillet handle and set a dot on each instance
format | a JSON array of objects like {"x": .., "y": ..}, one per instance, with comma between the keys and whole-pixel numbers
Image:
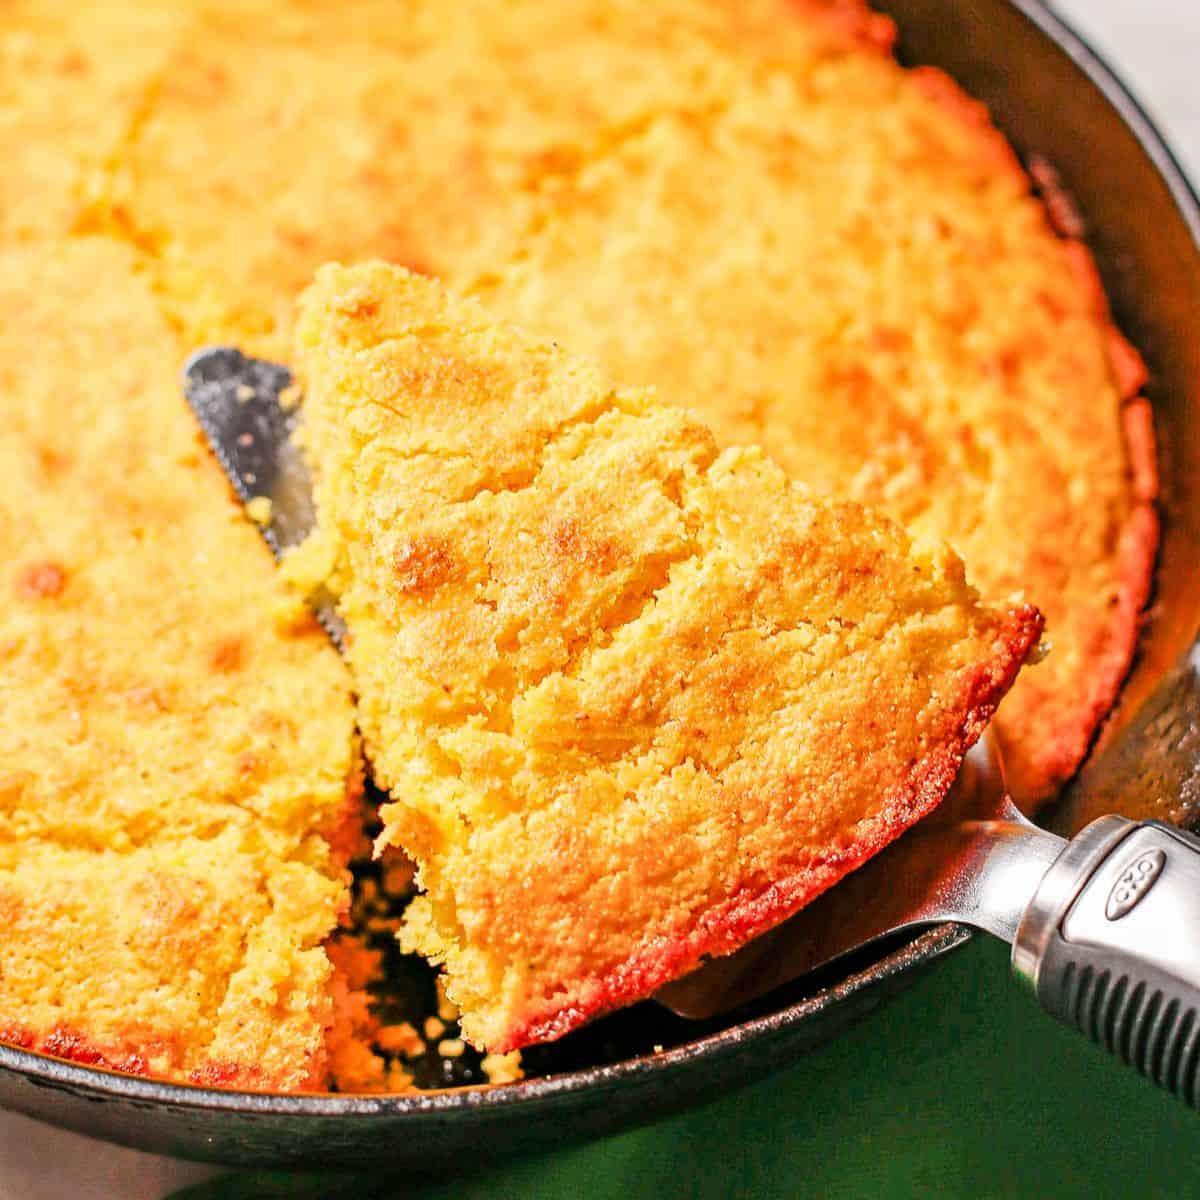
[{"x": 1111, "y": 945}]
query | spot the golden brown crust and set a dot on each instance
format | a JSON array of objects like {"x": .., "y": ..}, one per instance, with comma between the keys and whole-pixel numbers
[
  {"x": 991, "y": 144},
  {"x": 752, "y": 912},
  {"x": 140, "y": 1051},
  {"x": 641, "y": 700},
  {"x": 1066, "y": 740},
  {"x": 855, "y": 22},
  {"x": 1138, "y": 420}
]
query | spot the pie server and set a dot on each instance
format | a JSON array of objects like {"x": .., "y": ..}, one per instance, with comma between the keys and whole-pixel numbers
[{"x": 1105, "y": 928}]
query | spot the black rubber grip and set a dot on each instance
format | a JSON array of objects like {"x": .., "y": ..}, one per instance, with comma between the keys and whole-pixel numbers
[{"x": 1144, "y": 1016}]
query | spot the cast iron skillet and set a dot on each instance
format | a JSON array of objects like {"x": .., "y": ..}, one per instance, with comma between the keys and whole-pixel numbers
[{"x": 1055, "y": 98}]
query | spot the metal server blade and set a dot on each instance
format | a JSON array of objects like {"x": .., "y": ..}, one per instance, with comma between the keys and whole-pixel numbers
[{"x": 236, "y": 399}]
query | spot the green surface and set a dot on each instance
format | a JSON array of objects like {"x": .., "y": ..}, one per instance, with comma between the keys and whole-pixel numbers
[{"x": 959, "y": 1087}]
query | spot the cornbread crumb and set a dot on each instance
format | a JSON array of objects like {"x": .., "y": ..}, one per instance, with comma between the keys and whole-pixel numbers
[
  {"x": 259, "y": 510},
  {"x": 289, "y": 397},
  {"x": 308, "y": 566},
  {"x": 400, "y": 1039},
  {"x": 398, "y": 1079},
  {"x": 446, "y": 1008},
  {"x": 292, "y": 617},
  {"x": 503, "y": 1068},
  {"x": 650, "y": 699},
  {"x": 451, "y": 1047},
  {"x": 434, "y": 1028}
]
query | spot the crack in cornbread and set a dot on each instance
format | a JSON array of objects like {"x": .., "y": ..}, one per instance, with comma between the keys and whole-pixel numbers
[
  {"x": 636, "y": 700},
  {"x": 179, "y": 773}
]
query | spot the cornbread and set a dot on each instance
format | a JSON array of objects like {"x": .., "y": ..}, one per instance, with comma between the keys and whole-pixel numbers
[
  {"x": 748, "y": 205},
  {"x": 635, "y": 700},
  {"x": 178, "y": 762}
]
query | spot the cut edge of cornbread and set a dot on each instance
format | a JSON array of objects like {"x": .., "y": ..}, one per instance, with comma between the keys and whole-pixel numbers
[{"x": 437, "y": 437}]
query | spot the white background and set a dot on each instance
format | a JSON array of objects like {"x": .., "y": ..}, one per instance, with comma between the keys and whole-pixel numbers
[{"x": 1155, "y": 45}]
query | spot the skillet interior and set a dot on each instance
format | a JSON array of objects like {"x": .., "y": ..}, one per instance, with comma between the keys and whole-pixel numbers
[{"x": 1052, "y": 97}]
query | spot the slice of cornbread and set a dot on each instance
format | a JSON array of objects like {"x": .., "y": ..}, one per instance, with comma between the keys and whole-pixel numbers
[
  {"x": 177, "y": 753},
  {"x": 635, "y": 700}
]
